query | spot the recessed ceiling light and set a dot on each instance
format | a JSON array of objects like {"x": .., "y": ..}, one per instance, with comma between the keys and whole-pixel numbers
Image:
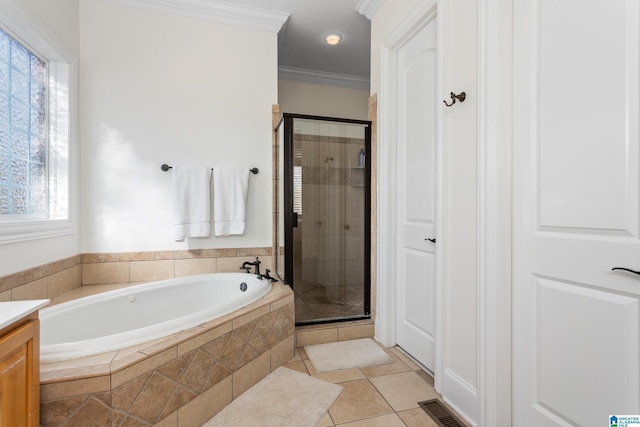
[{"x": 332, "y": 38}]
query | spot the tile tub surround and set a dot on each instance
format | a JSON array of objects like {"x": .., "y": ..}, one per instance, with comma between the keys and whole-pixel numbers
[
  {"x": 137, "y": 267},
  {"x": 333, "y": 332},
  {"x": 181, "y": 380},
  {"x": 49, "y": 281}
]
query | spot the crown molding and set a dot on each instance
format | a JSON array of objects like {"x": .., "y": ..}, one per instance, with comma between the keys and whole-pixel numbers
[
  {"x": 322, "y": 78},
  {"x": 226, "y": 13},
  {"x": 369, "y": 8}
]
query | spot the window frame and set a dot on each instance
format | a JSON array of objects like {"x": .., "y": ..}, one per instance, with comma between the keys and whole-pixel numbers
[{"x": 61, "y": 218}]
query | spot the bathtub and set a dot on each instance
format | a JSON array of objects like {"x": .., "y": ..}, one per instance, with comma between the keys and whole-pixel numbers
[{"x": 137, "y": 314}]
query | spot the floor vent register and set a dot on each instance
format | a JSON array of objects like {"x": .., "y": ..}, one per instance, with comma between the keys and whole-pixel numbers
[{"x": 441, "y": 415}]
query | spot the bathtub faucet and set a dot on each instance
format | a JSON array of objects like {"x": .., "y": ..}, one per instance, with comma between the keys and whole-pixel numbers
[
  {"x": 246, "y": 266},
  {"x": 256, "y": 264},
  {"x": 268, "y": 276}
]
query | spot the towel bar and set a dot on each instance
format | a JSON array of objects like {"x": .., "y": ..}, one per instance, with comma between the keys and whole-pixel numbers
[{"x": 165, "y": 167}]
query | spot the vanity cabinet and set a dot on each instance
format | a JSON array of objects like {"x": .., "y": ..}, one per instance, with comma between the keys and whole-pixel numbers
[{"x": 20, "y": 373}]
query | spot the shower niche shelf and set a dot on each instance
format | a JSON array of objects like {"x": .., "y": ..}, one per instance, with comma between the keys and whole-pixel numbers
[{"x": 357, "y": 176}]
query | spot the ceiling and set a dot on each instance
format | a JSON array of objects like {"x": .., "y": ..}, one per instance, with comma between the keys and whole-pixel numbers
[
  {"x": 301, "y": 24},
  {"x": 302, "y": 53}
]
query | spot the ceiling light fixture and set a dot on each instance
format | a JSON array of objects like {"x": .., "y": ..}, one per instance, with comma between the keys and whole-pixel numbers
[{"x": 332, "y": 38}]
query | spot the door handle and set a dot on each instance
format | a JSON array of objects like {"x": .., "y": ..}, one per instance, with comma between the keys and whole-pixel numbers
[
  {"x": 626, "y": 269},
  {"x": 434, "y": 240}
]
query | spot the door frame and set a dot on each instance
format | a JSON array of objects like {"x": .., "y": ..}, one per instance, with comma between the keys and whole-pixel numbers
[
  {"x": 385, "y": 319},
  {"x": 287, "y": 123},
  {"x": 494, "y": 100},
  {"x": 495, "y": 118}
]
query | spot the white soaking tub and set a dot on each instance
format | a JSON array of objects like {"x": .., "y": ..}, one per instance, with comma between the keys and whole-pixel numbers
[{"x": 137, "y": 314}]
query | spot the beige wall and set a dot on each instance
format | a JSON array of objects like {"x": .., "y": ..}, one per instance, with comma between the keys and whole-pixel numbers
[
  {"x": 159, "y": 88},
  {"x": 321, "y": 100},
  {"x": 58, "y": 18},
  {"x": 156, "y": 88},
  {"x": 460, "y": 139}
]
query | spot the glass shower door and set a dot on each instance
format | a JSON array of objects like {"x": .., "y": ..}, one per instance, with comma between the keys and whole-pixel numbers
[{"x": 329, "y": 222}]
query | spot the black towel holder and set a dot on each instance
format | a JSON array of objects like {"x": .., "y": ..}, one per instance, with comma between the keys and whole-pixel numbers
[{"x": 165, "y": 167}]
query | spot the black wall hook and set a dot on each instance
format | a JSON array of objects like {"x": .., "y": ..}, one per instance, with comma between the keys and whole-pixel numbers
[{"x": 461, "y": 97}]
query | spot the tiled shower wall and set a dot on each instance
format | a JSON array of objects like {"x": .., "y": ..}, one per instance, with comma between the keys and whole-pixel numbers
[
  {"x": 56, "y": 278},
  {"x": 332, "y": 220}
]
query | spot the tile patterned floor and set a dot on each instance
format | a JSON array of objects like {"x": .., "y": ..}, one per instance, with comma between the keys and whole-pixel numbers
[
  {"x": 376, "y": 396},
  {"x": 315, "y": 302}
]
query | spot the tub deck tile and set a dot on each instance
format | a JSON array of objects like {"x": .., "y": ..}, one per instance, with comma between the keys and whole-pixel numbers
[
  {"x": 251, "y": 315},
  {"x": 204, "y": 335},
  {"x": 218, "y": 374},
  {"x": 196, "y": 375},
  {"x": 145, "y": 364},
  {"x": 232, "y": 351},
  {"x": 282, "y": 302},
  {"x": 84, "y": 367},
  {"x": 126, "y": 360},
  {"x": 176, "y": 369},
  {"x": 206, "y": 405},
  {"x": 181, "y": 380},
  {"x": 217, "y": 346},
  {"x": 54, "y": 376},
  {"x": 75, "y": 388},
  {"x": 180, "y": 397},
  {"x": 148, "y": 404},
  {"x": 247, "y": 356},
  {"x": 123, "y": 397}
]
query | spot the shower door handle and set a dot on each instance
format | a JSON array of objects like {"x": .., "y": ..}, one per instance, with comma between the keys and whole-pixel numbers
[{"x": 294, "y": 219}]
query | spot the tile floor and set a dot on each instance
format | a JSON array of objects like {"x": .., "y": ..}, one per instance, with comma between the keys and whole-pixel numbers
[
  {"x": 316, "y": 302},
  {"x": 375, "y": 396}
]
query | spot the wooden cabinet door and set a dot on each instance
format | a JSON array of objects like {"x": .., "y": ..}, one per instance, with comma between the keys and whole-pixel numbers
[{"x": 19, "y": 377}]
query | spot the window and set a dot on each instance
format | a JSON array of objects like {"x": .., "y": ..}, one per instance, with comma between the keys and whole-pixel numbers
[
  {"x": 23, "y": 130},
  {"x": 36, "y": 133}
]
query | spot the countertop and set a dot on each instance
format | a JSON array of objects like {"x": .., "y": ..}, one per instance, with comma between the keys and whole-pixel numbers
[{"x": 13, "y": 311}]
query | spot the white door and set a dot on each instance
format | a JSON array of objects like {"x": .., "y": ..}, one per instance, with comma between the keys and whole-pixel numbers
[
  {"x": 576, "y": 330},
  {"x": 416, "y": 195}
]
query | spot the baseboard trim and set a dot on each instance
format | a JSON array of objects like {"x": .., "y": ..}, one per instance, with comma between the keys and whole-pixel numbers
[{"x": 460, "y": 396}]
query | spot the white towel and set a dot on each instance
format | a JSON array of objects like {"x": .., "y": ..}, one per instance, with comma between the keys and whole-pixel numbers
[
  {"x": 192, "y": 201},
  {"x": 230, "y": 188}
]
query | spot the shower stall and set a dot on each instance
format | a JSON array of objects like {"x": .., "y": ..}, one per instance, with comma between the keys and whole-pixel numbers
[{"x": 324, "y": 222}]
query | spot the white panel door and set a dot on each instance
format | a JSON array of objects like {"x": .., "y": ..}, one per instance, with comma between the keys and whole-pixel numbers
[
  {"x": 576, "y": 330},
  {"x": 417, "y": 195}
]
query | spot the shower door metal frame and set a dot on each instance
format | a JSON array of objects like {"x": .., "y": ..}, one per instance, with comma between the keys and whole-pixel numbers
[{"x": 287, "y": 121}]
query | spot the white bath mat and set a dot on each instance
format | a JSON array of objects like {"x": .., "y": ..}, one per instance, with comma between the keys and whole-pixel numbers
[
  {"x": 346, "y": 354},
  {"x": 282, "y": 398}
]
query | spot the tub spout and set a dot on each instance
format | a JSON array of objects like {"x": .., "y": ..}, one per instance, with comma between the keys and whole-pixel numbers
[{"x": 246, "y": 266}]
